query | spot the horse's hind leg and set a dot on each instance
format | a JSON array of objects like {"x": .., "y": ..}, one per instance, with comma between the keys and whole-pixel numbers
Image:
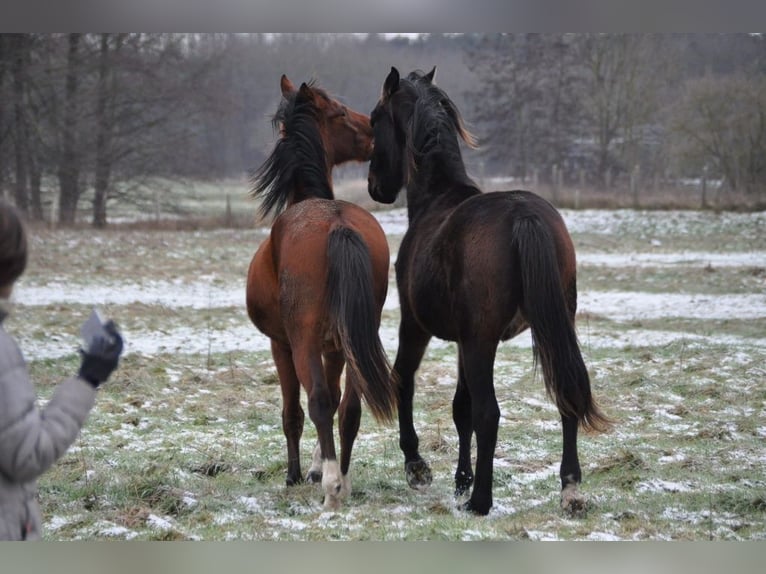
[
  {"x": 571, "y": 499},
  {"x": 292, "y": 413},
  {"x": 478, "y": 361},
  {"x": 571, "y": 475},
  {"x": 350, "y": 415},
  {"x": 461, "y": 415},
  {"x": 308, "y": 365},
  {"x": 333, "y": 367}
]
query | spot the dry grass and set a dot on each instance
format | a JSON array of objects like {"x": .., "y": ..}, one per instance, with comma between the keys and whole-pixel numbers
[{"x": 187, "y": 444}]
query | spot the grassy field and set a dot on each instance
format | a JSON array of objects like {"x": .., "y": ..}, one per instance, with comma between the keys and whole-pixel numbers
[{"x": 185, "y": 441}]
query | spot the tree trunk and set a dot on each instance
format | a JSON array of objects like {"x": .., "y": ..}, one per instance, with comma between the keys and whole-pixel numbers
[
  {"x": 35, "y": 186},
  {"x": 3, "y": 56},
  {"x": 69, "y": 165},
  {"x": 103, "y": 138},
  {"x": 20, "y": 192}
]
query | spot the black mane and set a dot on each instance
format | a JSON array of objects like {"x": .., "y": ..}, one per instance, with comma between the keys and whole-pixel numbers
[
  {"x": 297, "y": 163},
  {"x": 435, "y": 128}
]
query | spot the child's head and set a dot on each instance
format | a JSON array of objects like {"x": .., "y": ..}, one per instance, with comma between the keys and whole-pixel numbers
[{"x": 13, "y": 247}]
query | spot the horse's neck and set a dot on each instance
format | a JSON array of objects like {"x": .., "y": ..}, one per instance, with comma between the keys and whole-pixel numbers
[
  {"x": 437, "y": 188},
  {"x": 301, "y": 191}
]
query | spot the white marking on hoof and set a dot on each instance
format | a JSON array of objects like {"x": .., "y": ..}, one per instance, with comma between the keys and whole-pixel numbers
[{"x": 336, "y": 486}]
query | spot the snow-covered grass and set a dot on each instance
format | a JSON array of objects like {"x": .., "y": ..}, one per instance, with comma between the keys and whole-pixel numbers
[{"x": 185, "y": 441}]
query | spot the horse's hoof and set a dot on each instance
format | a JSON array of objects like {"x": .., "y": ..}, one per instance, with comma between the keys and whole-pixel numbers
[
  {"x": 331, "y": 503},
  {"x": 463, "y": 483},
  {"x": 572, "y": 502},
  {"x": 293, "y": 480},
  {"x": 314, "y": 476},
  {"x": 418, "y": 474},
  {"x": 480, "y": 508}
]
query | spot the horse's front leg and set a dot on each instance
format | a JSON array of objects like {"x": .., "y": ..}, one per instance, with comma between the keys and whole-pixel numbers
[
  {"x": 292, "y": 413},
  {"x": 571, "y": 500},
  {"x": 412, "y": 345}
]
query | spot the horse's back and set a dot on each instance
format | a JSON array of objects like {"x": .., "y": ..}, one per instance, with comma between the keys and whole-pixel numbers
[
  {"x": 484, "y": 227},
  {"x": 465, "y": 270},
  {"x": 300, "y": 234},
  {"x": 287, "y": 278}
]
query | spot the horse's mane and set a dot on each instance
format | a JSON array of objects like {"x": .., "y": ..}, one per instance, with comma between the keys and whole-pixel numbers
[
  {"x": 436, "y": 122},
  {"x": 298, "y": 158}
]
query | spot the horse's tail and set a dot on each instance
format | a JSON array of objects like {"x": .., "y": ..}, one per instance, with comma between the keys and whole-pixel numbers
[
  {"x": 352, "y": 307},
  {"x": 555, "y": 344}
]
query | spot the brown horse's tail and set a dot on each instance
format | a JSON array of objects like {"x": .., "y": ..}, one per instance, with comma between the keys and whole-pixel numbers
[
  {"x": 352, "y": 307},
  {"x": 555, "y": 344}
]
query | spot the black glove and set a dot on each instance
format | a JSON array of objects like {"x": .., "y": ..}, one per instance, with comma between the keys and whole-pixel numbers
[{"x": 102, "y": 357}]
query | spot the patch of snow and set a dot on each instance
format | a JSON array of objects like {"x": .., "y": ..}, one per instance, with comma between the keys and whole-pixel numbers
[
  {"x": 228, "y": 518},
  {"x": 539, "y": 536},
  {"x": 631, "y": 306},
  {"x": 250, "y": 503},
  {"x": 528, "y": 477},
  {"x": 288, "y": 524},
  {"x": 680, "y": 457},
  {"x": 56, "y": 522},
  {"x": 658, "y": 485},
  {"x": 159, "y": 522},
  {"x": 683, "y": 258},
  {"x": 117, "y": 531},
  {"x": 174, "y": 294},
  {"x": 603, "y": 537},
  {"x": 473, "y": 535}
]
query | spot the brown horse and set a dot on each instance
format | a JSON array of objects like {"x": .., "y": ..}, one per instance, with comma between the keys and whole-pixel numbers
[
  {"x": 475, "y": 268},
  {"x": 317, "y": 285}
]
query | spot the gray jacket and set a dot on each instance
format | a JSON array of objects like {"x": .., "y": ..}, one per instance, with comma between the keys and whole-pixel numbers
[{"x": 32, "y": 439}]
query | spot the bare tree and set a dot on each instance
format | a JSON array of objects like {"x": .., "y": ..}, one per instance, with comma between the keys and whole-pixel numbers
[
  {"x": 3, "y": 131},
  {"x": 20, "y": 44},
  {"x": 720, "y": 123},
  {"x": 70, "y": 157},
  {"x": 620, "y": 85},
  {"x": 525, "y": 100},
  {"x": 105, "y": 102}
]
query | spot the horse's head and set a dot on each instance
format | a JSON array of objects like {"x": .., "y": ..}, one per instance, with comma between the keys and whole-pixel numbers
[
  {"x": 346, "y": 134},
  {"x": 413, "y": 115},
  {"x": 388, "y": 167}
]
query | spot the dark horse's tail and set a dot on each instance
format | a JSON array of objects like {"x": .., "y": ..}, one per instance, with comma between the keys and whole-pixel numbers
[
  {"x": 352, "y": 306},
  {"x": 555, "y": 344}
]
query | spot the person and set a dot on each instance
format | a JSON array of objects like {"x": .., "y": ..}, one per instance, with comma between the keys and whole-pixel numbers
[{"x": 32, "y": 438}]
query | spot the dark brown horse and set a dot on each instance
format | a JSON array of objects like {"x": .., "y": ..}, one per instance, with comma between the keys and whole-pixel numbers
[
  {"x": 317, "y": 285},
  {"x": 475, "y": 268}
]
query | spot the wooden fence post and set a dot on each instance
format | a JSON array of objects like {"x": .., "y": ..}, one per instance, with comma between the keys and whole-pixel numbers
[{"x": 703, "y": 187}]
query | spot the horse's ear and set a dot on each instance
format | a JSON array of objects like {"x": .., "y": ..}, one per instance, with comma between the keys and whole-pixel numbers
[
  {"x": 391, "y": 84},
  {"x": 305, "y": 92},
  {"x": 429, "y": 77},
  {"x": 286, "y": 86}
]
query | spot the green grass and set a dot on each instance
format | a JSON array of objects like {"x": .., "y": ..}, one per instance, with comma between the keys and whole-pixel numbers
[{"x": 188, "y": 445}]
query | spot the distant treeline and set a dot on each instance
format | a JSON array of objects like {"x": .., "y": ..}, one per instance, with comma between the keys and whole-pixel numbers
[{"x": 89, "y": 119}]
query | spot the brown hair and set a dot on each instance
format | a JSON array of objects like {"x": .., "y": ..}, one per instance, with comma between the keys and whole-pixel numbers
[{"x": 13, "y": 244}]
